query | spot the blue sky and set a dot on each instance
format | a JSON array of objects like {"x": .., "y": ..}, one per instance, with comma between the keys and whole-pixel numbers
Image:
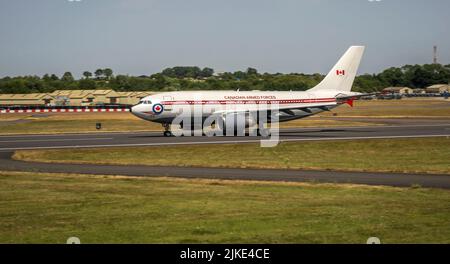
[{"x": 144, "y": 36}]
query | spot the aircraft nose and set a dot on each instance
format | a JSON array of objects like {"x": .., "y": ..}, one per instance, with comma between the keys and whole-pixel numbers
[{"x": 134, "y": 110}]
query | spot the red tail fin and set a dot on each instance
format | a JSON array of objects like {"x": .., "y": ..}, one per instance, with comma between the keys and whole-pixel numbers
[{"x": 350, "y": 102}]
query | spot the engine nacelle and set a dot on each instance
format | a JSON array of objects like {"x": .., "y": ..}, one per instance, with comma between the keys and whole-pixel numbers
[{"x": 236, "y": 121}]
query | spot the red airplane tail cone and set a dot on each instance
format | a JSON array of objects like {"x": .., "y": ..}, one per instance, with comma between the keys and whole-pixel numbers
[{"x": 350, "y": 102}]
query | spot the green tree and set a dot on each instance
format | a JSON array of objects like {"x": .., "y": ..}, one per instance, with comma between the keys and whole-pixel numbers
[
  {"x": 67, "y": 77},
  {"x": 99, "y": 73},
  {"x": 87, "y": 74},
  {"x": 54, "y": 77},
  {"x": 368, "y": 83},
  {"x": 108, "y": 73},
  {"x": 206, "y": 72},
  {"x": 182, "y": 72},
  {"x": 252, "y": 71},
  {"x": 46, "y": 77},
  {"x": 239, "y": 75},
  {"x": 160, "y": 81},
  {"x": 122, "y": 83},
  {"x": 393, "y": 76},
  {"x": 86, "y": 84}
]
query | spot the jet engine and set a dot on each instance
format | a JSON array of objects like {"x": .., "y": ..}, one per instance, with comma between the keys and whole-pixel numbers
[{"x": 236, "y": 122}]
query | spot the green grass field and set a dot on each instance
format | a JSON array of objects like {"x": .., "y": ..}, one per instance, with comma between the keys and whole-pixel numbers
[
  {"x": 416, "y": 107},
  {"x": 73, "y": 123},
  {"x": 421, "y": 155},
  {"x": 49, "y": 208}
]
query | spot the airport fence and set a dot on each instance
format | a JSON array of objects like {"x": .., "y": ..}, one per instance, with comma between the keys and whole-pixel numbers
[{"x": 64, "y": 109}]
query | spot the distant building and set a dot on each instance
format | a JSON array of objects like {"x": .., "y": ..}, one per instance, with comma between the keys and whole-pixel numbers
[
  {"x": 125, "y": 98},
  {"x": 33, "y": 99},
  {"x": 140, "y": 95},
  {"x": 99, "y": 97},
  {"x": 218, "y": 73},
  {"x": 73, "y": 98},
  {"x": 438, "y": 88},
  {"x": 86, "y": 97},
  {"x": 419, "y": 91},
  {"x": 398, "y": 90},
  {"x": 128, "y": 98}
]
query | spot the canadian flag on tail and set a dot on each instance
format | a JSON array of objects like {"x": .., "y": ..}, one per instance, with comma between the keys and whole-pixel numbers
[{"x": 340, "y": 72}]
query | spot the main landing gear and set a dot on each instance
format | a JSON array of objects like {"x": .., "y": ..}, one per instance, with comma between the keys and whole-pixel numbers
[
  {"x": 167, "y": 132},
  {"x": 263, "y": 132},
  {"x": 260, "y": 131}
]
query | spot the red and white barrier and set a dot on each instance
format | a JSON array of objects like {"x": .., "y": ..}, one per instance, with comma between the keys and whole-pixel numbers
[{"x": 76, "y": 110}]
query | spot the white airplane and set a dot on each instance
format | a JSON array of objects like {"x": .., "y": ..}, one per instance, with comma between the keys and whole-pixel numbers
[{"x": 226, "y": 108}]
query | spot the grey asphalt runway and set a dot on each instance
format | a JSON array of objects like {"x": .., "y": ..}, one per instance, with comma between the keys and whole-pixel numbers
[
  {"x": 406, "y": 129},
  {"x": 368, "y": 178}
]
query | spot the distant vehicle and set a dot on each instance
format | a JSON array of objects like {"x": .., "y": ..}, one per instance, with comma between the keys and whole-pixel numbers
[
  {"x": 225, "y": 107},
  {"x": 389, "y": 96},
  {"x": 368, "y": 97}
]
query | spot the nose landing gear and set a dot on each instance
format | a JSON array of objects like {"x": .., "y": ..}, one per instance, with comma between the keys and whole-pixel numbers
[{"x": 167, "y": 132}]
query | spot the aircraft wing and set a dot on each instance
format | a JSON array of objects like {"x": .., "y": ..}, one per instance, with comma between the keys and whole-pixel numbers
[
  {"x": 284, "y": 109},
  {"x": 340, "y": 99}
]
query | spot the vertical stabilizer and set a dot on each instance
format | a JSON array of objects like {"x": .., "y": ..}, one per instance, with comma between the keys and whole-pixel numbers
[{"x": 341, "y": 77}]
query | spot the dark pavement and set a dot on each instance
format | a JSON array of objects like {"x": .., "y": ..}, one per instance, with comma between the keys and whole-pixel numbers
[{"x": 405, "y": 129}]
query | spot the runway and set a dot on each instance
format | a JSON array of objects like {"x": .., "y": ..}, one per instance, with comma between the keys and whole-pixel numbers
[
  {"x": 414, "y": 128},
  {"x": 368, "y": 178},
  {"x": 404, "y": 129}
]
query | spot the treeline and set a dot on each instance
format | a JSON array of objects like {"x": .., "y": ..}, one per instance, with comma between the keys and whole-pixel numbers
[
  {"x": 413, "y": 76},
  {"x": 194, "y": 78}
]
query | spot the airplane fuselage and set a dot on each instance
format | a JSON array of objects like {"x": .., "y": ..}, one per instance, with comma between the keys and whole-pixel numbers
[{"x": 164, "y": 107}]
